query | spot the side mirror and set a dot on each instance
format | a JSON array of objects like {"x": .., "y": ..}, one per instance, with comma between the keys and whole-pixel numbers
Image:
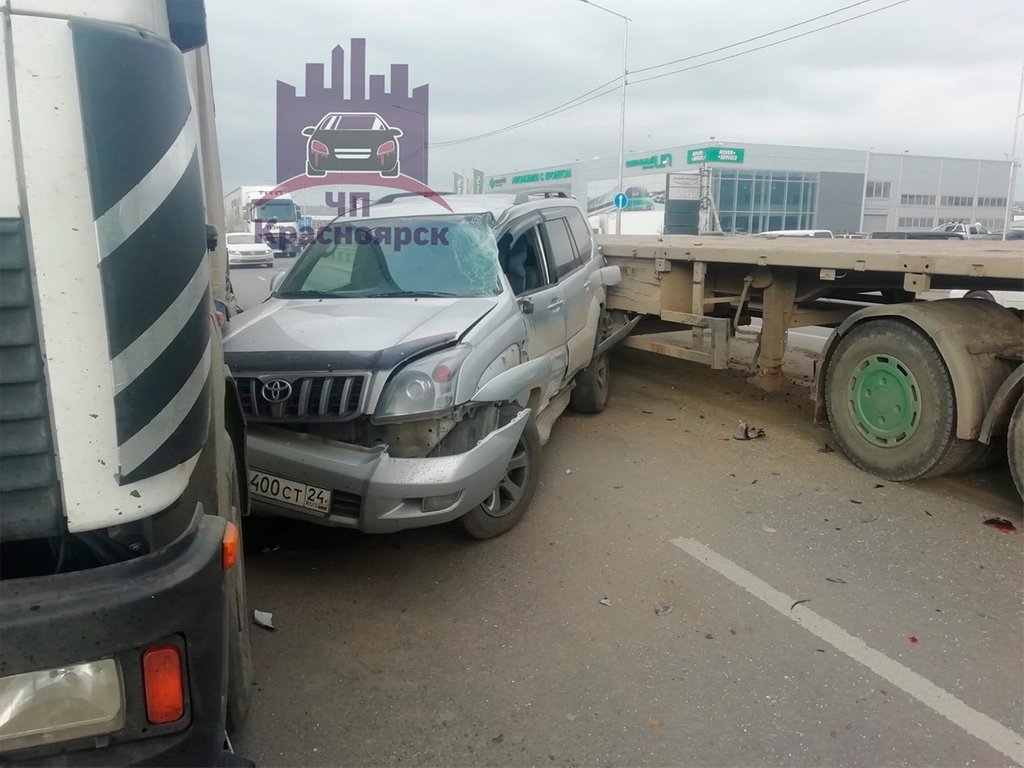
[
  {"x": 211, "y": 238},
  {"x": 610, "y": 276},
  {"x": 396, "y": 132},
  {"x": 526, "y": 306},
  {"x": 308, "y": 130},
  {"x": 276, "y": 280}
]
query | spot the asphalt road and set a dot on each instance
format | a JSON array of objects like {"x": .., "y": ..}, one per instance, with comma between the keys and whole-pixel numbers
[
  {"x": 252, "y": 284},
  {"x": 817, "y": 616}
]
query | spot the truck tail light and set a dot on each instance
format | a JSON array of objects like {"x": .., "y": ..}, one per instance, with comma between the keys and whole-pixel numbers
[
  {"x": 229, "y": 547},
  {"x": 162, "y": 679}
]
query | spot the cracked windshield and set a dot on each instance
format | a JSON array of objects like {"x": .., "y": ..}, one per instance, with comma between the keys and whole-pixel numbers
[{"x": 569, "y": 383}]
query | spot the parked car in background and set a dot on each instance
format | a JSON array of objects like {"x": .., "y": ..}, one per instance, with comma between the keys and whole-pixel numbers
[
  {"x": 639, "y": 199},
  {"x": 408, "y": 369},
  {"x": 245, "y": 250},
  {"x": 814, "y": 233},
  {"x": 964, "y": 231}
]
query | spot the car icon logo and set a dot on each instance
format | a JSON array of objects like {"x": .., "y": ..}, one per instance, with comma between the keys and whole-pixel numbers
[
  {"x": 352, "y": 141},
  {"x": 277, "y": 391}
]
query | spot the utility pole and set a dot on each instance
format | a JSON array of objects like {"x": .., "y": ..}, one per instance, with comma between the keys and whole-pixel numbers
[
  {"x": 622, "y": 106},
  {"x": 1013, "y": 156}
]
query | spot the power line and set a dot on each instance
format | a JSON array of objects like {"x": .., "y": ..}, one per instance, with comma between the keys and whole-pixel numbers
[
  {"x": 771, "y": 44},
  {"x": 546, "y": 113},
  {"x": 582, "y": 99},
  {"x": 750, "y": 39}
]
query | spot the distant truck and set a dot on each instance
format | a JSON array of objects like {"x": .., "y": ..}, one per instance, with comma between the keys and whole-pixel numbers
[
  {"x": 952, "y": 230},
  {"x": 272, "y": 217},
  {"x": 125, "y": 637}
]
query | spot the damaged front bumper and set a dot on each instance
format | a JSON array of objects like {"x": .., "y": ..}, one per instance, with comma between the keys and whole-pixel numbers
[{"x": 373, "y": 491}]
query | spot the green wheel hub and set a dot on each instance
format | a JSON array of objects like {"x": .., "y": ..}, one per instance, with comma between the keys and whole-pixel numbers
[{"x": 884, "y": 400}]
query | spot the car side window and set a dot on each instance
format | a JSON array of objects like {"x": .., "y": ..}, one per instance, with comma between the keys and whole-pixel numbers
[
  {"x": 522, "y": 261},
  {"x": 561, "y": 254},
  {"x": 581, "y": 234}
]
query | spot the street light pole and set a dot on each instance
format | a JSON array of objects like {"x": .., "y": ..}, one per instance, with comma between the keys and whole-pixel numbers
[
  {"x": 622, "y": 107},
  {"x": 1013, "y": 156}
]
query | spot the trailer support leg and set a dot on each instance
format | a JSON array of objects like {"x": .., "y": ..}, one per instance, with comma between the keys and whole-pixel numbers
[{"x": 779, "y": 304}]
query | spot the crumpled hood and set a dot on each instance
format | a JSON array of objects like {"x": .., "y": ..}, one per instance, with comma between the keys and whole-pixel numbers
[{"x": 350, "y": 325}]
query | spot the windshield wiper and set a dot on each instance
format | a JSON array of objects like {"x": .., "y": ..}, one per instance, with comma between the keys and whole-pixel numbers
[
  {"x": 411, "y": 295},
  {"x": 308, "y": 295}
]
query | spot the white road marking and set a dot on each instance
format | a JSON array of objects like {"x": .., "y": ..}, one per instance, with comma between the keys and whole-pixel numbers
[{"x": 976, "y": 723}]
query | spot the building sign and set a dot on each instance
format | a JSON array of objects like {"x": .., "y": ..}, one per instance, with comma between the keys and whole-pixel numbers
[
  {"x": 530, "y": 178},
  {"x": 497, "y": 181},
  {"x": 654, "y": 161},
  {"x": 478, "y": 182},
  {"x": 684, "y": 186},
  {"x": 715, "y": 155}
]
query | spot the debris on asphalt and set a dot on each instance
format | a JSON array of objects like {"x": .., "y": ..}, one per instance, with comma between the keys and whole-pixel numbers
[
  {"x": 826, "y": 448},
  {"x": 869, "y": 519},
  {"x": 671, "y": 418},
  {"x": 856, "y": 501},
  {"x": 1000, "y": 524},
  {"x": 799, "y": 602},
  {"x": 834, "y": 580},
  {"x": 499, "y": 738},
  {"x": 732, "y": 631},
  {"x": 879, "y": 485},
  {"x": 912, "y": 639},
  {"x": 263, "y": 619},
  {"x": 568, "y": 471},
  {"x": 709, "y": 636},
  {"x": 748, "y": 432},
  {"x": 766, "y": 529},
  {"x": 270, "y": 549},
  {"x": 662, "y": 610},
  {"x": 605, "y": 601},
  {"x": 647, "y": 412}
]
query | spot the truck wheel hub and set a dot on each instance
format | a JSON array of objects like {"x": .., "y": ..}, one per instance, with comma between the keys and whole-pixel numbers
[{"x": 884, "y": 400}]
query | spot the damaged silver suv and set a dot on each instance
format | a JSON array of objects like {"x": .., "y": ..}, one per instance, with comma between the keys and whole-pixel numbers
[{"x": 408, "y": 368}]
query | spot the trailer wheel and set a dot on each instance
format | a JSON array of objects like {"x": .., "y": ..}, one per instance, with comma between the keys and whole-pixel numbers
[
  {"x": 590, "y": 395},
  {"x": 240, "y": 670},
  {"x": 891, "y": 403},
  {"x": 1015, "y": 445}
]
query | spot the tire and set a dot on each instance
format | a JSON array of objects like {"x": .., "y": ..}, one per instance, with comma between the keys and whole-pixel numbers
[
  {"x": 907, "y": 429},
  {"x": 499, "y": 513},
  {"x": 590, "y": 395},
  {"x": 240, "y": 669},
  {"x": 980, "y": 294},
  {"x": 1015, "y": 445}
]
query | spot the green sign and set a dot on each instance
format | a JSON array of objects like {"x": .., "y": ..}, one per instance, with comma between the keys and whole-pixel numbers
[
  {"x": 715, "y": 155},
  {"x": 529, "y": 178},
  {"x": 497, "y": 181},
  {"x": 654, "y": 161}
]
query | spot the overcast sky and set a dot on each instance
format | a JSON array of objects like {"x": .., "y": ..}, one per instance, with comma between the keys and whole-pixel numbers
[{"x": 929, "y": 76}]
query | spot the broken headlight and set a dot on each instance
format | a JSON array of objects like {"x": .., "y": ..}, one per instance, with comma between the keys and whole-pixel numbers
[{"x": 425, "y": 386}]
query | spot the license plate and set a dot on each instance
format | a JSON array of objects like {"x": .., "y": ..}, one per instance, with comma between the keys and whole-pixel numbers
[{"x": 289, "y": 491}]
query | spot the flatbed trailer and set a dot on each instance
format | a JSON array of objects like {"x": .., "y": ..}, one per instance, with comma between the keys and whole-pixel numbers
[{"x": 911, "y": 387}]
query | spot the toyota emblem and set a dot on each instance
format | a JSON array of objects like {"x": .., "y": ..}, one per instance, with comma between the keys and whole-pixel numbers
[{"x": 277, "y": 391}]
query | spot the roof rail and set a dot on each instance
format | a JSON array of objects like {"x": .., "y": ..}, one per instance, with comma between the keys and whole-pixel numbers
[
  {"x": 525, "y": 197},
  {"x": 396, "y": 195}
]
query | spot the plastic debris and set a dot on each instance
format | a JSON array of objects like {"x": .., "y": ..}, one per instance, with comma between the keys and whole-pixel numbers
[
  {"x": 1001, "y": 525},
  {"x": 834, "y": 580},
  {"x": 912, "y": 639},
  {"x": 568, "y": 471},
  {"x": 263, "y": 619},
  {"x": 856, "y": 501},
  {"x": 766, "y": 529},
  {"x": 799, "y": 602},
  {"x": 662, "y": 610},
  {"x": 748, "y": 432},
  {"x": 605, "y": 601}
]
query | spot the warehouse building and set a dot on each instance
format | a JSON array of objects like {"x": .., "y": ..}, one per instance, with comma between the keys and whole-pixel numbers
[{"x": 762, "y": 187}]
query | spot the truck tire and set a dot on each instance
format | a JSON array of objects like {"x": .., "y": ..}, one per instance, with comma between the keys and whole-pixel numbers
[
  {"x": 590, "y": 395},
  {"x": 891, "y": 403},
  {"x": 240, "y": 669},
  {"x": 1015, "y": 445},
  {"x": 507, "y": 504}
]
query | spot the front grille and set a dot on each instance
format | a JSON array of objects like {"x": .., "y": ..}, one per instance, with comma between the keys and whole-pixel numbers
[
  {"x": 301, "y": 397},
  {"x": 345, "y": 504}
]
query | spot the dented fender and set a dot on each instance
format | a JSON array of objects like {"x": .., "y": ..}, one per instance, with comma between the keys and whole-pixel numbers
[{"x": 515, "y": 383}]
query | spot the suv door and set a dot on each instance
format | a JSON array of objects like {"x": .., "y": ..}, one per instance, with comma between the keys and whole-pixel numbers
[
  {"x": 573, "y": 268},
  {"x": 541, "y": 298}
]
